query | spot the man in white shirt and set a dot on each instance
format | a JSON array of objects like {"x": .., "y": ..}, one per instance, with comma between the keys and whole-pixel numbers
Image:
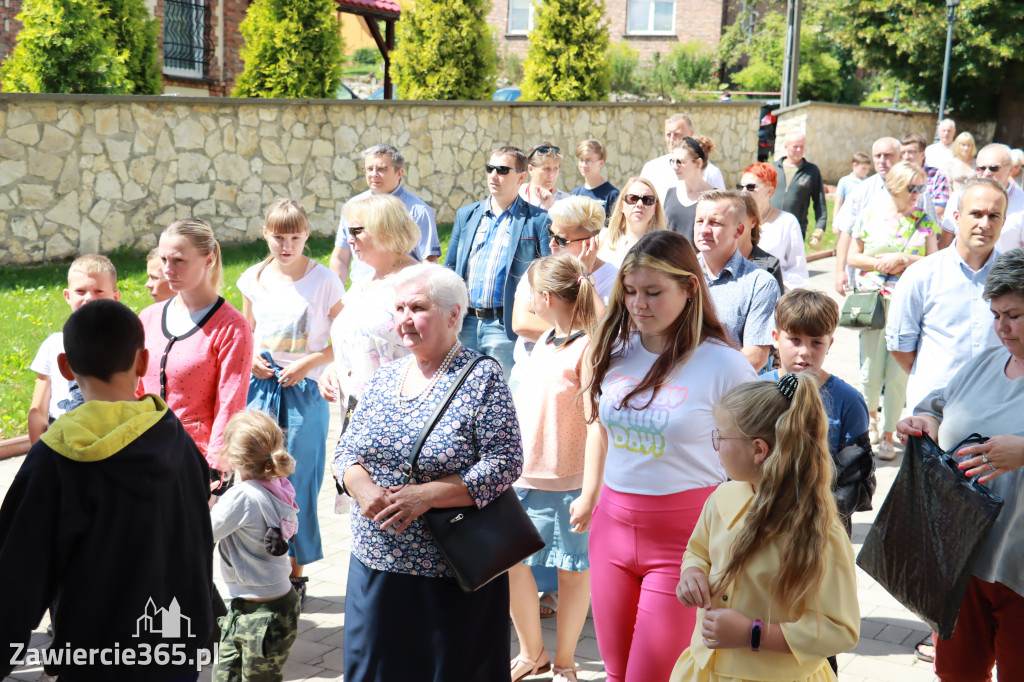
[
  {"x": 940, "y": 154},
  {"x": 994, "y": 162},
  {"x": 660, "y": 172},
  {"x": 938, "y": 319},
  {"x": 384, "y": 166}
]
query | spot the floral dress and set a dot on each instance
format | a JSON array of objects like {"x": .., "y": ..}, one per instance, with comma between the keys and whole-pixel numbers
[
  {"x": 882, "y": 233},
  {"x": 477, "y": 438}
]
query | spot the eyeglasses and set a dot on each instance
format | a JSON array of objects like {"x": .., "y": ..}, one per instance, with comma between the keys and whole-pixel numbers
[
  {"x": 645, "y": 199},
  {"x": 501, "y": 170},
  {"x": 752, "y": 187},
  {"x": 991, "y": 169},
  {"x": 717, "y": 438},
  {"x": 545, "y": 149},
  {"x": 377, "y": 170},
  {"x": 562, "y": 242},
  {"x": 355, "y": 231},
  {"x": 915, "y": 189}
]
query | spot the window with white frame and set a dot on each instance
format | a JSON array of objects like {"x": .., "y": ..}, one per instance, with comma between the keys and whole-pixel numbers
[
  {"x": 520, "y": 16},
  {"x": 186, "y": 24},
  {"x": 651, "y": 16}
]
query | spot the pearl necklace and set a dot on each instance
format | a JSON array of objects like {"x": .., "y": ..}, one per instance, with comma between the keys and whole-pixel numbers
[{"x": 407, "y": 403}]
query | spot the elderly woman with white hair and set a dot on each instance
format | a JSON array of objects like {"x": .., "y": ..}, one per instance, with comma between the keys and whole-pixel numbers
[{"x": 472, "y": 455}]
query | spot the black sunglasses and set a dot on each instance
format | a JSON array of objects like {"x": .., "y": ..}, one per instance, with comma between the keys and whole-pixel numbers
[
  {"x": 645, "y": 199},
  {"x": 752, "y": 187},
  {"x": 502, "y": 170},
  {"x": 915, "y": 189},
  {"x": 545, "y": 149},
  {"x": 562, "y": 242},
  {"x": 355, "y": 231},
  {"x": 991, "y": 169}
]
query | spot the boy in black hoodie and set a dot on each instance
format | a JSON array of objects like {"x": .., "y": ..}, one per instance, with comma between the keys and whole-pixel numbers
[{"x": 107, "y": 523}]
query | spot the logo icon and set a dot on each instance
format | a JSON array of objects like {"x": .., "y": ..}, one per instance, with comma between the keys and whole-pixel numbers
[{"x": 166, "y": 622}]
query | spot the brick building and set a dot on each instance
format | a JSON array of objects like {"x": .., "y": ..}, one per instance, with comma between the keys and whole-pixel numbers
[
  {"x": 201, "y": 41},
  {"x": 648, "y": 26}
]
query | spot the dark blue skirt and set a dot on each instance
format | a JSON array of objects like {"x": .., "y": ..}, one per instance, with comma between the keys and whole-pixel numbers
[{"x": 410, "y": 628}]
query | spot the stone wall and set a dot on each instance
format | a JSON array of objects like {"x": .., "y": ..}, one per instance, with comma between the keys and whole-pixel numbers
[
  {"x": 88, "y": 173},
  {"x": 836, "y": 131}
]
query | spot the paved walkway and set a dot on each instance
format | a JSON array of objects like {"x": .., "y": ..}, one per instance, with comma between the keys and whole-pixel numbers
[{"x": 888, "y": 631}]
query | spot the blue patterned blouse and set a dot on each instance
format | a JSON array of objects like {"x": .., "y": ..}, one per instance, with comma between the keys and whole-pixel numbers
[{"x": 477, "y": 438}]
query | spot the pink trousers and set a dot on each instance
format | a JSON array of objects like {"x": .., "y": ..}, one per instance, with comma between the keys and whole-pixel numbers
[{"x": 636, "y": 548}]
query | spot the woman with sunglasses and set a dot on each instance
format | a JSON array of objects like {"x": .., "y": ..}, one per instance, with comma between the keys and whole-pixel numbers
[
  {"x": 637, "y": 212},
  {"x": 545, "y": 163},
  {"x": 780, "y": 230},
  {"x": 689, "y": 159},
  {"x": 891, "y": 234},
  {"x": 658, "y": 362}
]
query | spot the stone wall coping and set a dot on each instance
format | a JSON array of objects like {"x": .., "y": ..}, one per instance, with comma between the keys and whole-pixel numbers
[
  {"x": 857, "y": 107},
  {"x": 266, "y": 102}
]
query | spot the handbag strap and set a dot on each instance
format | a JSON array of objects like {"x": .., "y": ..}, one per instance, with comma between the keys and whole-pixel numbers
[{"x": 414, "y": 453}]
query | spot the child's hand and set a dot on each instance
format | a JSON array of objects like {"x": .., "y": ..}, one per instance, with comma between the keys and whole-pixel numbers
[
  {"x": 725, "y": 629},
  {"x": 580, "y": 512},
  {"x": 693, "y": 589},
  {"x": 261, "y": 368}
]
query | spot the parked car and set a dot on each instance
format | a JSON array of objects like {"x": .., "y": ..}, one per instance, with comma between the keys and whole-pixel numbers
[
  {"x": 344, "y": 92},
  {"x": 510, "y": 94},
  {"x": 766, "y": 130}
]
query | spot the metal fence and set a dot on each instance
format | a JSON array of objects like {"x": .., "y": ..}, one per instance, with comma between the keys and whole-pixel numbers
[{"x": 187, "y": 38}]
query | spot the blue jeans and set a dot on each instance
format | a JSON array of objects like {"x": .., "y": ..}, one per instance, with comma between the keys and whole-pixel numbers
[{"x": 488, "y": 337}]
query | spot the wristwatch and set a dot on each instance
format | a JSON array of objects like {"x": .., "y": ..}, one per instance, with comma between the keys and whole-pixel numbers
[{"x": 755, "y": 635}]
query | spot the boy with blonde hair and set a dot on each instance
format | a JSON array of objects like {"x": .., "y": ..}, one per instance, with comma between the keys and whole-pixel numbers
[
  {"x": 90, "y": 277},
  {"x": 590, "y": 159}
]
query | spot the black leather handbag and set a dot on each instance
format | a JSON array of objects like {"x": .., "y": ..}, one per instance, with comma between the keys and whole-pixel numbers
[
  {"x": 477, "y": 544},
  {"x": 929, "y": 532}
]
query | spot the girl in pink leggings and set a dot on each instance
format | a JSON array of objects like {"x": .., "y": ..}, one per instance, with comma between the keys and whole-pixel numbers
[{"x": 660, "y": 361}]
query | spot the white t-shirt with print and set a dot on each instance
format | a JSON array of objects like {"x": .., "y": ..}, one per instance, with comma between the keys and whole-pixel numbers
[
  {"x": 665, "y": 447},
  {"x": 292, "y": 318},
  {"x": 64, "y": 395}
]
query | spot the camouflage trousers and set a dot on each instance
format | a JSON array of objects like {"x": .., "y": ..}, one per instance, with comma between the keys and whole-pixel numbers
[{"x": 256, "y": 638}]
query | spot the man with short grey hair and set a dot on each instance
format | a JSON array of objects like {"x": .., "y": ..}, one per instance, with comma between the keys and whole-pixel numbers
[
  {"x": 660, "y": 170},
  {"x": 799, "y": 184},
  {"x": 940, "y": 154},
  {"x": 384, "y": 166},
  {"x": 994, "y": 162}
]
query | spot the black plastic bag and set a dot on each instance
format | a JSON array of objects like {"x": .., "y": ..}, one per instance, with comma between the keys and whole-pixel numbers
[
  {"x": 855, "y": 477},
  {"x": 928, "y": 533}
]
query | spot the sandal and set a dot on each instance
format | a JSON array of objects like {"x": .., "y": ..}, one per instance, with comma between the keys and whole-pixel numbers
[
  {"x": 531, "y": 667},
  {"x": 549, "y": 604},
  {"x": 300, "y": 587},
  {"x": 924, "y": 655},
  {"x": 565, "y": 674}
]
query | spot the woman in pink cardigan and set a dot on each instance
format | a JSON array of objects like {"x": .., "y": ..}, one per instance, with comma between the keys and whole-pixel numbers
[{"x": 200, "y": 347}]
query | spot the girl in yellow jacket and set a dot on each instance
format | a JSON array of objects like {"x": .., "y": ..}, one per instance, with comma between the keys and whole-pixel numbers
[{"x": 769, "y": 564}]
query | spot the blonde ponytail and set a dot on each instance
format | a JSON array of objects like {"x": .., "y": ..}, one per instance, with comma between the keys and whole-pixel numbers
[{"x": 254, "y": 444}]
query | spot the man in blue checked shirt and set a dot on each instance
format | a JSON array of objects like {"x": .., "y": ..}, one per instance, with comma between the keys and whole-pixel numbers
[{"x": 493, "y": 243}]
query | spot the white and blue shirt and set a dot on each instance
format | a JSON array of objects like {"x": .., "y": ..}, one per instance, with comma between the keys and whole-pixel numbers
[{"x": 488, "y": 257}]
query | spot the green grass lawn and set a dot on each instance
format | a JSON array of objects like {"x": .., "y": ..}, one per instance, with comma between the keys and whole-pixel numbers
[{"x": 32, "y": 307}]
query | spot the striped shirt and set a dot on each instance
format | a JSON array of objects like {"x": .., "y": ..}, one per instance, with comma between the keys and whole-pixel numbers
[{"x": 488, "y": 258}]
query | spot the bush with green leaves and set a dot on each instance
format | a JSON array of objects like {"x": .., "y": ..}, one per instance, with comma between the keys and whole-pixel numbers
[
  {"x": 367, "y": 55},
  {"x": 293, "y": 48},
  {"x": 445, "y": 51},
  {"x": 135, "y": 34},
  {"x": 624, "y": 62},
  {"x": 65, "y": 46},
  {"x": 567, "y": 60}
]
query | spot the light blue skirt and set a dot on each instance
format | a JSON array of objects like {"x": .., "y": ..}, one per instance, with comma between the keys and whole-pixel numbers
[{"x": 549, "y": 511}]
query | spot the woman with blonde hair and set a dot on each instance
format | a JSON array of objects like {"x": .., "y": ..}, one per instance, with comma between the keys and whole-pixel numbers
[
  {"x": 200, "y": 346},
  {"x": 770, "y": 568},
  {"x": 961, "y": 166},
  {"x": 689, "y": 159},
  {"x": 290, "y": 301},
  {"x": 658, "y": 362},
  {"x": 365, "y": 334},
  {"x": 637, "y": 212},
  {"x": 891, "y": 234}
]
